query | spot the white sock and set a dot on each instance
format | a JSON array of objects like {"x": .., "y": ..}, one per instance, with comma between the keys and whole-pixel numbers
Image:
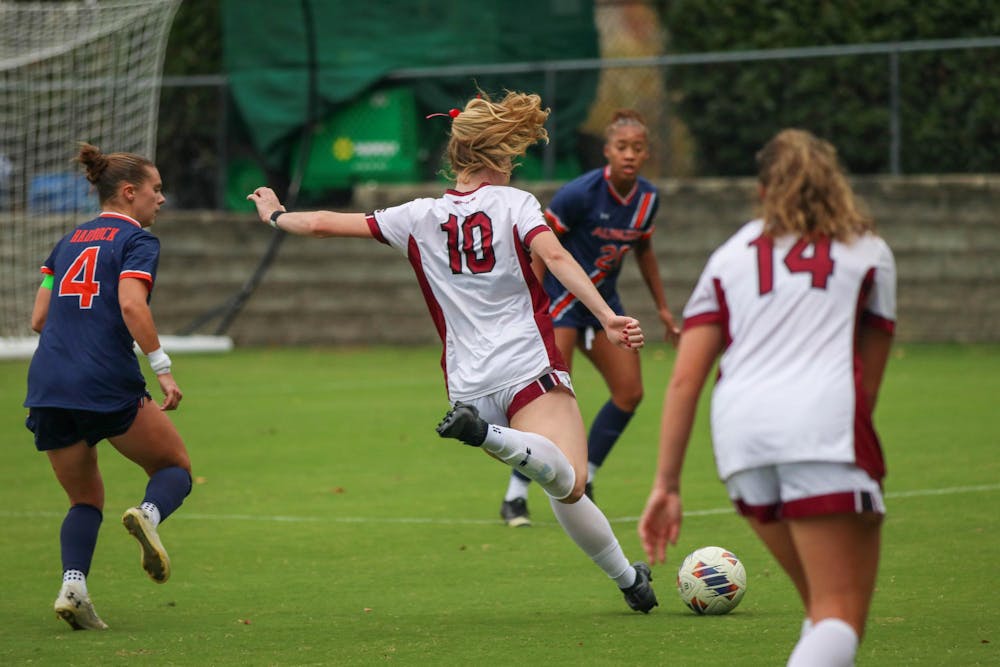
[
  {"x": 586, "y": 524},
  {"x": 152, "y": 511},
  {"x": 592, "y": 469},
  {"x": 533, "y": 455},
  {"x": 76, "y": 577},
  {"x": 517, "y": 488},
  {"x": 830, "y": 643}
]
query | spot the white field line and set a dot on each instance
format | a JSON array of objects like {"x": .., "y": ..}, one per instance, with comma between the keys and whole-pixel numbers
[{"x": 184, "y": 516}]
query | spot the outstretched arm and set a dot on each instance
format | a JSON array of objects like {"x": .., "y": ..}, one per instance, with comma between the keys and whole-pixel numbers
[
  {"x": 621, "y": 330},
  {"x": 320, "y": 224}
]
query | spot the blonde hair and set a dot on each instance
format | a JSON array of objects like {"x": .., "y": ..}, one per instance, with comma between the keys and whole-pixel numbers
[
  {"x": 488, "y": 135},
  {"x": 622, "y": 118},
  {"x": 107, "y": 171},
  {"x": 805, "y": 189}
]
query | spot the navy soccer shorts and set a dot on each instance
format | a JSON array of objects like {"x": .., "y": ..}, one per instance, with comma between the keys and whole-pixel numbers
[{"x": 56, "y": 428}]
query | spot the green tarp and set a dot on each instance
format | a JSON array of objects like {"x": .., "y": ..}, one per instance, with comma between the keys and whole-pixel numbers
[{"x": 358, "y": 43}]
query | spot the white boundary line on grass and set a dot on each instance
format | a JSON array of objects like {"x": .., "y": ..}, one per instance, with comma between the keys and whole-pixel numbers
[{"x": 952, "y": 490}]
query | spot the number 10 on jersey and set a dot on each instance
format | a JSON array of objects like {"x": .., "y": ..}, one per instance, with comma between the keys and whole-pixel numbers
[{"x": 470, "y": 238}]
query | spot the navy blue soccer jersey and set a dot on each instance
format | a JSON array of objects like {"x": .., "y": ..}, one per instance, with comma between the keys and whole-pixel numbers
[
  {"x": 85, "y": 359},
  {"x": 598, "y": 226}
]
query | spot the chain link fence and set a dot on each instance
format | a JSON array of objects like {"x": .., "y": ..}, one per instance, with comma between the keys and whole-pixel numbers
[{"x": 207, "y": 163}]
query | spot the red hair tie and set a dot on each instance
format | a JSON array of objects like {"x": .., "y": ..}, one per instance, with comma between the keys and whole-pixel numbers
[{"x": 451, "y": 113}]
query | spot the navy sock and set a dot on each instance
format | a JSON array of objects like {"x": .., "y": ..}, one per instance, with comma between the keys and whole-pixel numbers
[
  {"x": 78, "y": 537},
  {"x": 604, "y": 432},
  {"x": 167, "y": 489}
]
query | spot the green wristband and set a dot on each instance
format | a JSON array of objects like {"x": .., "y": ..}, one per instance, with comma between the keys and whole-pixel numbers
[{"x": 47, "y": 280}]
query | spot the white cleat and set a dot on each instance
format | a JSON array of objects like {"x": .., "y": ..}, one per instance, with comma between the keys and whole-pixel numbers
[
  {"x": 155, "y": 561},
  {"x": 74, "y": 607}
]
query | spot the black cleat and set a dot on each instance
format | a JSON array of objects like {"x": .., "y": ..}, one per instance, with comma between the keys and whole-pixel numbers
[
  {"x": 463, "y": 423},
  {"x": 515, "y": 513},
  {"x": 640, "y": 595}
]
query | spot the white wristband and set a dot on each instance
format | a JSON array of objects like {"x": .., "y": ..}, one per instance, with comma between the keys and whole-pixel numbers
[{"x": 159, "y": 361}]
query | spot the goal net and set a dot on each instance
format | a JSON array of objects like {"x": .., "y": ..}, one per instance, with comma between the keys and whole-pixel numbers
[{"x": 69, "y": 72}]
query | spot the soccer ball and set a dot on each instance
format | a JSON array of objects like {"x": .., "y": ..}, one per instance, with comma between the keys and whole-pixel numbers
[{"x": 711, "y": 580}]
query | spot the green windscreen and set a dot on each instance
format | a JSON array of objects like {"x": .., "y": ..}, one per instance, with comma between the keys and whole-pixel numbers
[{"x": 370, "y": 127}]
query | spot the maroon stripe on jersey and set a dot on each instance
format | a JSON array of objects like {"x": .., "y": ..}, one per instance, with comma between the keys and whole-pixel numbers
[
  {"x": 539, "y": 303},
  {"x": 844, "y": 502},
  {"x": 763, "y": 513},
  {"x": 413, "y": 254},
  {"x": 866, "y": 288},
  {"x": 720, "y": 295},
  {"x": 702, "y": 319},
  {"x": 375, "y": 229},
  {"x": 533, "y": 233},
  {"x": 870, "y": 319},
  {"x": 867, "y": 449}
]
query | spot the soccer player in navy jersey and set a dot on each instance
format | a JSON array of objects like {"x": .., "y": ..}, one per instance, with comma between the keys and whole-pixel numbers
[
  {"x": 600, "y": 217},
  {"x": 84, "y": 382}
]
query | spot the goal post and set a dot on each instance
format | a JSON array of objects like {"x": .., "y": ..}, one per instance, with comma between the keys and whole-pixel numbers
[{"x": 69, "y": 71}]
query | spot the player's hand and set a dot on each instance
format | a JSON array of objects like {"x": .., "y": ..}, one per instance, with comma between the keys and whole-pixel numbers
[
  {"x": 660, "y": 523},
  {"x": 673, "y": 334},
  {"x": 171, "y": 392},
  {"x": 624, "y": 332},
  {"x": 266, "y": 201}
]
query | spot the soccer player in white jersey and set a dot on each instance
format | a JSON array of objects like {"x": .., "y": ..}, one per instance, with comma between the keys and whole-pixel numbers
[
  {"x": 471, "y": 252},
  {"x": 799, "y": 308}
]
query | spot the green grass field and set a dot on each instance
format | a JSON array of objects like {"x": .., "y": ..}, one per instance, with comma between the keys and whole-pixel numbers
[{"x": 329, "y": 525}]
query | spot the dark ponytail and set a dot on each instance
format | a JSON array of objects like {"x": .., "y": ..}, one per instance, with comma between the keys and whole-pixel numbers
[{"x": 107, "y": 171}]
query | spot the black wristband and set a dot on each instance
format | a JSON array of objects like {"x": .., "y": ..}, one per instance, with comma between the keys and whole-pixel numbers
[{"x": 274, "y": 218}]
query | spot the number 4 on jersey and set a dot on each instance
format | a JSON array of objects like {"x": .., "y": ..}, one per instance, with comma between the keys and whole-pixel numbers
[
  {"x": 79, "y": 278},
  {"x": 819, "y": 263}
]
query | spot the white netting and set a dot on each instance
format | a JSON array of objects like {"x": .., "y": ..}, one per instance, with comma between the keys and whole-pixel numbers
[{"x": 69, "y": 72}]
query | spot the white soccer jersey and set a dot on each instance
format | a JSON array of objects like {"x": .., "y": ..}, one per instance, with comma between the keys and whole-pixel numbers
[
  {"x": 788, "y": 389},
  {"x": 470, "y": 253}
]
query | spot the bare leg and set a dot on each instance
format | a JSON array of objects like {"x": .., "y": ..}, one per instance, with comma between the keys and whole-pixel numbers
[
  {"x": 153, "y": 441},
  {"x": 76, "y": 469},
  {"x": 555, "y": 415},
  {"x": 621, "y": 371},
  {"x": 839, "y": 554},
  {"x": 777, "y": 537}
]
